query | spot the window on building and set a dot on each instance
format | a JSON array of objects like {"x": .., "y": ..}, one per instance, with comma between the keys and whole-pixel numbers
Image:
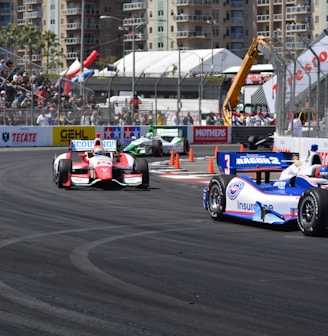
[
  {"x": 237, "y": 17},
  {"x": 160, "y": 29},
  {"x": 107, "y": 9},
  {"x": 237, "y": 32},
  {"x": 160, "y": 45},
  {"x": 150, "y": 30},
  {"x": 215, "y": 15}
]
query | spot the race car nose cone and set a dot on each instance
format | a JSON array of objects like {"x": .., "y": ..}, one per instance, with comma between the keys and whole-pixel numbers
[{"x": 103, "y": 173}]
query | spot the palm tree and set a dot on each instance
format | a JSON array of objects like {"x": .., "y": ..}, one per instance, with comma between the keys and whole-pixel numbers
[
  {"x": 51, "y": 47},
  {"x": 31, "y": 38},
  {"x": 10, "y": 36}
]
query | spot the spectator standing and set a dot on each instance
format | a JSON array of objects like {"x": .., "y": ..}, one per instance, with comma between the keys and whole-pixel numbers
[
  {"x": 42, "y": 119},
  {"x": 92, "y": 103},
  {"x": 176, "y": 119},
  {"x": 70, "y": 120},
  {"x": 128, "y": 119},
  {"x": 267, "y": 121},
  {"x": 95, "y": 118},
  {"x": 134, "y": 103},
  {"x": 236, "y": 119},
  {"x": 188, "y": 120},
  {"x": 250, "y": 119},
  {"x": 2, "y": 100},
  {"x": 85, "y": 119},
  {"x": 210, "y": 120},
  {"x": 160, "y": 119},
  {"x": 258, "y": 119},
  {"x": 295, "y": 126}
]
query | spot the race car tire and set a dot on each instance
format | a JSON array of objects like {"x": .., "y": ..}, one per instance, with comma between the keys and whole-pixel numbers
[
  {"x": 252, "y": 140},
  {"x": 119, "y": 146},
  {"x": 186, "y": 146},
  {"x": 312, "y": 214},
  {"x": 157, "y": 148},
  {"x": 64, "y": 168},
  {"x": 216, "y": 196},
  {"x": 142, "y": 167}
]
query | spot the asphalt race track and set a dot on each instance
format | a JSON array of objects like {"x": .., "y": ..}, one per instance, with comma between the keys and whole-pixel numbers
[{"x": 93, "y": 262}]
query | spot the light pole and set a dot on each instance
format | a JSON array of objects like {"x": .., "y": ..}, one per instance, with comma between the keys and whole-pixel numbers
[
  {"x": 81, "y": 75},
  {"x": 212, "y": 22},
  {"x": 133, "y": 28},
  {"x": 179, "y": 83}
]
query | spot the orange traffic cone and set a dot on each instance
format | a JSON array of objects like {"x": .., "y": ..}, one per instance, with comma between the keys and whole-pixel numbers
[
  {"x": 242, "y": 148},
  {"x": 191, "y": 155},
  {"x": 171, "y": 163},
  {"x": 216, "y": 152},
  {"x": 177, "y": 162},
  {"x": 210, "y": 169}
]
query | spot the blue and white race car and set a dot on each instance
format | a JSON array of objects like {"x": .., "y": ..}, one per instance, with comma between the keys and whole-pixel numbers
[{"x": 300, "y": 194}]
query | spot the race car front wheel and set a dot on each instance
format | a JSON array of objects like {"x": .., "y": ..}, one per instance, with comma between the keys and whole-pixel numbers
[
  {"x": 216, "y": 197},
  {"x": 64, "y": 169},
  {"x": 312, "y": 213},
  {"x": 142, "y": 167}
]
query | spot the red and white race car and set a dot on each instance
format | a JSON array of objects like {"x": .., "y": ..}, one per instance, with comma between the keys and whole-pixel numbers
[{"x": 97, "y": 163}]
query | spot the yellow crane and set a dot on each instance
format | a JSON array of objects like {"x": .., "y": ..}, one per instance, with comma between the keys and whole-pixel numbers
[{"x": 231, "y": 101}]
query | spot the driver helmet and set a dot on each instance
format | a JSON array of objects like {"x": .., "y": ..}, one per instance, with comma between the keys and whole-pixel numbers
[
  {"x": 98, "y": 150},
  {"x": 149, "y": 135},
  {"x": 323, "y": 173}
]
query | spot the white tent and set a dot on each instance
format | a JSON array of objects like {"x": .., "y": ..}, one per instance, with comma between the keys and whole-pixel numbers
[{"x": 160, "y": 63}]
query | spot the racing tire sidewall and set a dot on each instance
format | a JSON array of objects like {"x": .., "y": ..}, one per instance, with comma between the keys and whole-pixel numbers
[
  {"x": 311, "y": 211},
  {"x": 64, "y": 169},
  {"x": 143, "y": 168},
  {"x": 252, "y": 141},
  {"x": 216, "y": 196},
  {"x": 186, "y": 146}
]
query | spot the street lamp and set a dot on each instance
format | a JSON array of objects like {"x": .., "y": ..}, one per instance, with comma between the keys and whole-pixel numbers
[
  {"x": 106, "y": 17},
  {"x": 81, "y": 75},
  {"x": 212, "y": 22}
]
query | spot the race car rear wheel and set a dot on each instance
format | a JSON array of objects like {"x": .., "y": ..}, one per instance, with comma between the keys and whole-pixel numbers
[
  {"x": 252, "y": 140},
  {"x": 64, "y": 168},
  {"x": 157, "y": 148},
  {"x": 186, "y": 146},
  {"x": 216, "y": 196},
  {"x": 312, "y": 214},
  {"x": 142, "y": 167}
]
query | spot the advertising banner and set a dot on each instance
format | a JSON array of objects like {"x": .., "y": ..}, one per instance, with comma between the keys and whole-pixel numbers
[
  {"x": 63, "y": 134},
  {"x": 210, "y": 134},
  {"x": 25, "y": 136}
]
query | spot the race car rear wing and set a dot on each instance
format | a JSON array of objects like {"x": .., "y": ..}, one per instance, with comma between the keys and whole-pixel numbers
[
  {"x": 232, "y": 163},
  {"x": 87, "y": 145},
  {"x": 169, "y": 132}
]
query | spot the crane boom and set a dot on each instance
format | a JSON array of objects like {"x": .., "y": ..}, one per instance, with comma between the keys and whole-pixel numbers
[{"x": 232, "y": 100}]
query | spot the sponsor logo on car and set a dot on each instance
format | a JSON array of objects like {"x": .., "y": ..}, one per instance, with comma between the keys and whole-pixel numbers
[{"x": 234, "y": 189}]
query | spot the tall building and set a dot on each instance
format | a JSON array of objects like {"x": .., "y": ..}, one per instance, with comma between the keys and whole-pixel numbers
[
  {"x": 291, "y": 24},
  {"x": 166, "y": 24}
]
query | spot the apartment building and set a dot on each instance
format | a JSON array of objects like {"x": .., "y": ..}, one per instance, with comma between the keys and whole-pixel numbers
[
  {"x": 291, "y": 24},
  {"x": 166, "y": 24}
]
